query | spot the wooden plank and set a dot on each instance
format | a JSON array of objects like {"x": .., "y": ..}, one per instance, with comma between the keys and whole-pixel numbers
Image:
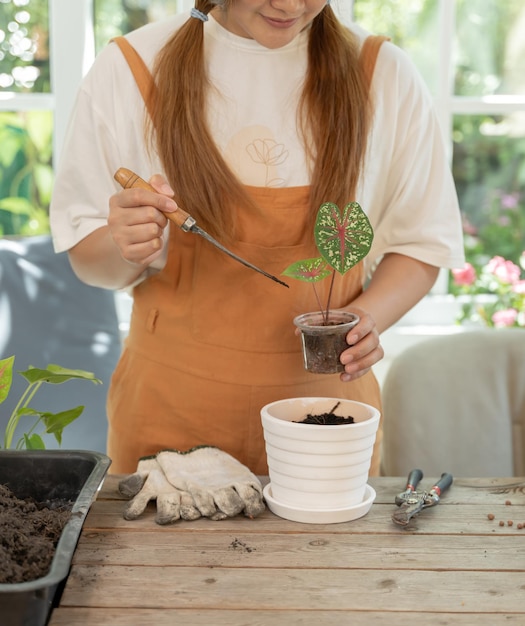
[
  {"x": 169, "y": 617},
  {"x": 308, "y": 551},
  {"x": 485, "y": 491},
  {"x": 294, "y": 589},
  {"x": 442, "y": 519},
  {"x": 464, "y": 568}
]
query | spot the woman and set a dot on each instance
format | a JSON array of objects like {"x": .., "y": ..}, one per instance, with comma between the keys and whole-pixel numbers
[{"x": 260, "y": 111}]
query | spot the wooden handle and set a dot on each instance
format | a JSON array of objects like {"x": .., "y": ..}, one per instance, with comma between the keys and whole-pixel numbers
[{"x": 128, "y": 179}]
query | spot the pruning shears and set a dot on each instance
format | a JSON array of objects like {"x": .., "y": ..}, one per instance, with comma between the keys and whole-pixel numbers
[{"x": 410, "y": 502}]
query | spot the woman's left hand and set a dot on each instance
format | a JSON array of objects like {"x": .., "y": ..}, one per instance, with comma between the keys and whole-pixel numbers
[{"x": 365, "y": 348}]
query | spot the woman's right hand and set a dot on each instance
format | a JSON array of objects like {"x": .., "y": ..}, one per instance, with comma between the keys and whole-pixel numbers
[{"x": 137, "y": 220}]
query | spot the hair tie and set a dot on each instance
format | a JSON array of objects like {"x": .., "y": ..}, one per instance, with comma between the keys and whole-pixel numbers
[{"x": 199, "y": 15}]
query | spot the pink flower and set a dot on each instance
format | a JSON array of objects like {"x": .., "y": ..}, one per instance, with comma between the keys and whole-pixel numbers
[
  {"x": 469, "y": 228},
  {"x": 464, "y": 276},
  {"x": 509, "y": 200},
  {"x": 519, "y": 287},
  {"x": 505, "y": 318},
  {"x": 505, "y": 271}
]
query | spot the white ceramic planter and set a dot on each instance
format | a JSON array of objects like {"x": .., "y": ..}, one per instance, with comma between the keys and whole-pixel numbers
[{"x": 315, "y": 467}]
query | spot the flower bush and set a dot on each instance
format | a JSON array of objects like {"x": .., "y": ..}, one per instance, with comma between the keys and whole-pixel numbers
[{"x": 500, "y": 289}]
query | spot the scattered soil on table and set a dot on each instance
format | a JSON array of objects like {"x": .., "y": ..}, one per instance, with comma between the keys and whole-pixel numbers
[
  {"x": 29, "y": 533},
  {"x": 237, "y": 544},
  {"x": 327, "y": 419}
]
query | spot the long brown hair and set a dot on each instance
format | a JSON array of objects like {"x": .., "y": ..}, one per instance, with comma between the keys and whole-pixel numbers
[{"x": 333, "y": 116}]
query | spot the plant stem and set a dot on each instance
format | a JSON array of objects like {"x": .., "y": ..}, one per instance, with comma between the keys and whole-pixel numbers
[
  {"x": 20, "y": 443},
  {"x": 14, "y": 419},
  {"x": 325, "y": 316},
  {"x": 318, "y": 300}
]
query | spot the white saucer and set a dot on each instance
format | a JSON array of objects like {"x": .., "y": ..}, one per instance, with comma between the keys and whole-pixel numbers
[{"x": 319, "y": 516}]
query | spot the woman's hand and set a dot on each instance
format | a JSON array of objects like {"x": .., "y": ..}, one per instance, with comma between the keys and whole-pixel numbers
[
  {"x": 396, "y": 285},
  {"x": 365, "y": 348},
  {"x": 137, "y": 220}
]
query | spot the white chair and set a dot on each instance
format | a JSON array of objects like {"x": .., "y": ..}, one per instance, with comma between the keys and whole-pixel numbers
[{"x": 456, "y": 403}]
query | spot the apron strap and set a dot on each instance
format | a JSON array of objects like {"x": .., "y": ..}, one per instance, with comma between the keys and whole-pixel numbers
[
  {"x": 368, "y": 55},
  {"x": 140, "y": 71}
]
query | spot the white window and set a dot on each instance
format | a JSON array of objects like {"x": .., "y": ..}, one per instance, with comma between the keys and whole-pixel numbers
[{"x": 470, "y": 52}]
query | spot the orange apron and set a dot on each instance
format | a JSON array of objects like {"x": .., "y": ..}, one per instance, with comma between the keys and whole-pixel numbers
[{"x": 212, "y": 341}]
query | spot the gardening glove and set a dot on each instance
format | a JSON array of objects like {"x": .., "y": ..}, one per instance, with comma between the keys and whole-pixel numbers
[
  {"x": 150, "y": 483},
  {"x": 220, "y": 485}
]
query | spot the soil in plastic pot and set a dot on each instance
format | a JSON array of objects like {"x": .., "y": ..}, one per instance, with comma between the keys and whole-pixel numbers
[
  {"x": 29, "y": 533},
  {"x": 322, "y": 353},
  {"x": 324, "y": 339}
]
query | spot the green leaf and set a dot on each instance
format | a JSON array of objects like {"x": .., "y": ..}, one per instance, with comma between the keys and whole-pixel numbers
[
  {"x": 44, "y": 178},
  {"x": 343, "y": 240},
  {"x": 11, "y": 138},
  {"x": 6, "y": 376},
  {"x": 16, "y": 206},
  {"x": 39, "y": 126},
  {"x": 34, "y": 442},
  {"x": 55, "y": 375},
  {"x": 26, "y": 410},
  {"x": 308, "y": 270},
  {"x": 56, "y": 422}
]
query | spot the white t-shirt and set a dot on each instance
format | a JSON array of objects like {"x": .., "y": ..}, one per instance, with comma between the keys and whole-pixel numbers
[{"x": 406, "y": 187}]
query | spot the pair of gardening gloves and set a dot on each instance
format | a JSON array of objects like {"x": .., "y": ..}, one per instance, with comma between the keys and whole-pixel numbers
[{"x": 202, "y": 482}]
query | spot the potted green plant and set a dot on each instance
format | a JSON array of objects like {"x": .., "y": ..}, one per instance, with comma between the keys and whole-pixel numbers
[
  {"x": 342, "y": 240},
  {"x": 45, "y": 496},
  {"x": 53, "y": 423}
]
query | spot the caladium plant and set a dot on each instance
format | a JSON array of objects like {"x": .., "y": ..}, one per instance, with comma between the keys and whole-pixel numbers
[
  {"x": 53, "y": 423},
  {"x": 342, "y": 240}
]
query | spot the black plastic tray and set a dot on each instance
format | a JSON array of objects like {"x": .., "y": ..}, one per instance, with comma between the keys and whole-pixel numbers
[{"x": 74, "y": 475}]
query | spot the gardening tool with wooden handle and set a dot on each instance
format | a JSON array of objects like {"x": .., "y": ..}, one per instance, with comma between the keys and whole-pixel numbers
[
  {"x": 410, "y": 502},
  {"x": 127, "y": 179}
]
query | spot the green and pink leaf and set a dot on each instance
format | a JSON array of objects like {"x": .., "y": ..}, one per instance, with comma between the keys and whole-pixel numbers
[
  {"x": 308, "y": 270},
  {"x": 343, "y": 239}
]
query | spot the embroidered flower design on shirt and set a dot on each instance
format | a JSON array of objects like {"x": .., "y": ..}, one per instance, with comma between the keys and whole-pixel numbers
[{"x": 269, "y": 153}]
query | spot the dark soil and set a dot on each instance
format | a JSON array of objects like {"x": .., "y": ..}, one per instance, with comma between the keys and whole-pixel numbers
[
  {"x": 327, "y": 419},
  {"x": 322, "y": 353},
  {"x": 29, "y": 533}
]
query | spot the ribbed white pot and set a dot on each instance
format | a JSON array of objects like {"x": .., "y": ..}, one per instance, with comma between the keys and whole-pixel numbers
[{"x": 314, "y": 466}]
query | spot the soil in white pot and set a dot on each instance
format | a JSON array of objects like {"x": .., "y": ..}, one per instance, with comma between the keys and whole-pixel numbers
[
  {"x": 327, "y": 419},
  {"x": 29, "y": 533}
]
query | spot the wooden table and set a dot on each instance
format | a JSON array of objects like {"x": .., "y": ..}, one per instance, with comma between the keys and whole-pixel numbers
[{"x": 452, "y": 565}]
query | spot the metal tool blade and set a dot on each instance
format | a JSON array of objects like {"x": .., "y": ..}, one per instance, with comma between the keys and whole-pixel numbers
[
  {"x": 406, "y": 511},
  {"x": 408, "y": 501},
  {"x": 196, "y": 229},
  {"x": 413, "y": 480},
  {"x": 127, "y": 179}
]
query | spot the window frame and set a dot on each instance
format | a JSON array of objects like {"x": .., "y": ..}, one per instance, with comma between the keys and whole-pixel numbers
[
  {"x": 71, "y": 55},
  {"x": 72, "y": 51}
]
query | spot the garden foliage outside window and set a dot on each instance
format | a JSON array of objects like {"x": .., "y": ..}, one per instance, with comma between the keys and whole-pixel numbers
[{"x": 471, "y": 53}]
